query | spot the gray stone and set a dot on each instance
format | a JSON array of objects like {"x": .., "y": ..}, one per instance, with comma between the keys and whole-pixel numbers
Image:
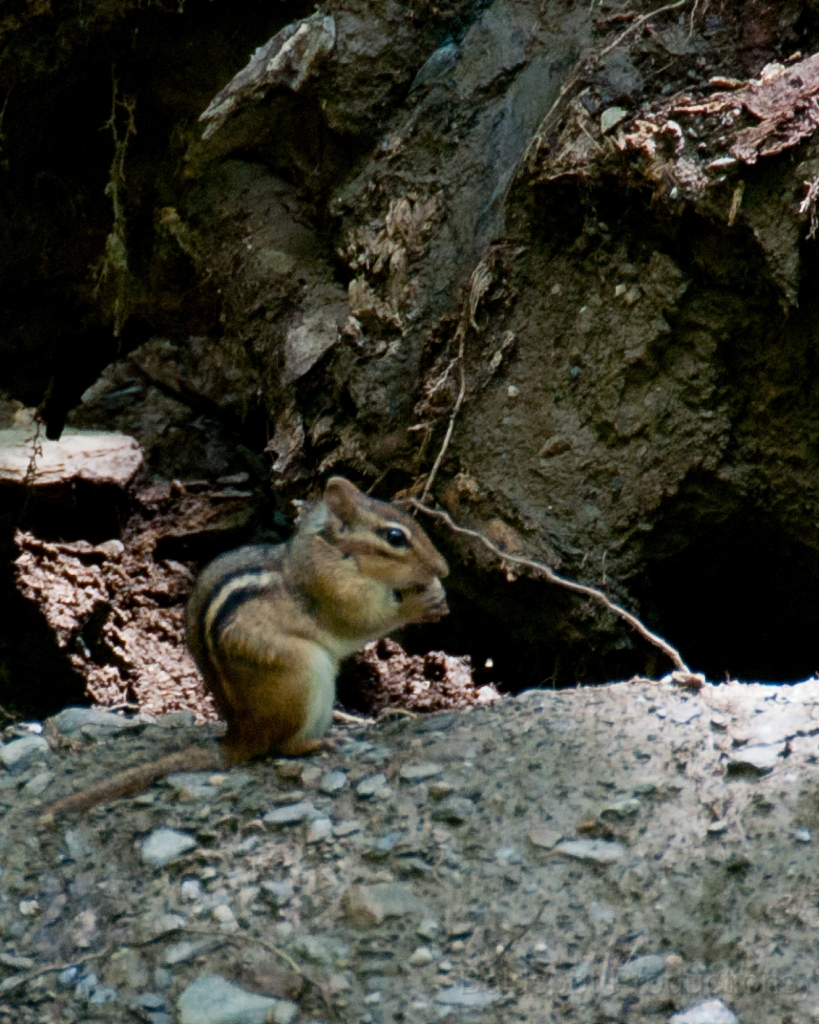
[
  {"x": 346, "y": 828},
  {"x": 545, "y": 838},
  {"x": 147, "y": 1001},
  {"x": 281, "y": 891},
  {"x": 686, "y": 712},
  {"x": 370, "y": 786},
  {"x": 619, "y": 811},
  {"x": 419, "y": 772},
  {"x": 711, "y": 1011},
  {"x": 214, "y": 1000},
  {"x": 92, "y": 722},
  {"x": 102, "y": 995},
  {"x": 38, "y": 783},
  {"x": 598, "y": 851},
  {"x": 455, "y": 810},
  {"x": 467, "y": 995},
  {"x": 290, "y": 814},
  {"x": 611, "y": 117},
  {"x": 20, "y": 754},
  {"x": 367, "y": 905},
  {"x": 760, "y": 758},
  {"x": 332, "y": 782},
  {"x": 802, "y": 835},
  {"x": 85, "y": 986},
  {"x": 165, "y": 845},
  {"x": 642, "y": 969},
  {"x": 320, "y": 830}
]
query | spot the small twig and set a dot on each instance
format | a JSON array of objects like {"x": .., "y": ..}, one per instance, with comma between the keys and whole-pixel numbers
[
  {"x": 578, "y": 588},
  {"x": 579, "y": 70},
  {"x": 452, "y": 416},
  {"x": 16, "y": 981},
  {"x": 241, "y": 937},
  {"x": 641, "y": 21},
  {"x": 342, "y": 716}
]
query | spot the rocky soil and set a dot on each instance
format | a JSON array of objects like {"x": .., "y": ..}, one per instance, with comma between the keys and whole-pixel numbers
[{"x": 630, "y": 852}]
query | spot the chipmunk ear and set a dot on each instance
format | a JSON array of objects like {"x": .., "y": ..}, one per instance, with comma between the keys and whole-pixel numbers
[{"x": 342, "y": 498}]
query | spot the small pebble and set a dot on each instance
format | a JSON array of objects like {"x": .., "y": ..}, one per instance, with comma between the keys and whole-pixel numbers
[
  {"x": 333, "y": 782},
  {"x": 421, "y": 957},
  {"x": 165, "y": 845}
]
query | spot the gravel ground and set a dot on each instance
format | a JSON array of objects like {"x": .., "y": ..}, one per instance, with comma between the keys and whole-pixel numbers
[{"x": 622, "y": 853}]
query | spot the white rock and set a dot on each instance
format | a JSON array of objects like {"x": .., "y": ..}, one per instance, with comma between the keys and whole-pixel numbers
[
  {"x": 467, "y": 995},
  {"x": 165, "y": 845},
  {"x": 421, "y": 957},
  {"x": 712, "y": 1011},
  {"x": 597, "y": 850}
]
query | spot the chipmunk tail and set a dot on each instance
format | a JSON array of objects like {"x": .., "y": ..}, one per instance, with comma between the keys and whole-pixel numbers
[{"x": 136, "y": 780}]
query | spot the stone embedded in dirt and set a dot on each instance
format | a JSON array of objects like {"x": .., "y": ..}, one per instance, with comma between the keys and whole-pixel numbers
[
  {"x": 367, "y": 905},
  {"x": 187, "y": 949},
  {"x": 467, "y": 996},
  {"x": 91, "y": 723},
  {"x": 346, "y": 828},
  {"x": 320, "y": 830},
  {"x": 686, "y": 712},
  {"x": 600, "y": 851},
  {"x": 454, "y": 810},
  {"x": 619, "y": 811},
  {"x": 545, "y": 838},
  {"x": 712, "y": 1011},
  {"x": 759, "y": 759},
  {"x": 21, "y": 754},
  {"x": 214, "y": 1000},
  {"x": 165, "y": 845},
  {"x": 419, "y": 772},
  {"x": 642, "y": 969},
  {"x": 280, "y": 891},
  {"x": 370, "y": 786},
  {"x": 290, "y": 814},
  {"x": 421, "y": 957},
  {"x": 333, "y": 782},
  {"x": 96, "y": 457}
]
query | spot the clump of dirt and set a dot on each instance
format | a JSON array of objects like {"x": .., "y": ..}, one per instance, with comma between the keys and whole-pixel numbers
[{"x": 385, "y": 676}]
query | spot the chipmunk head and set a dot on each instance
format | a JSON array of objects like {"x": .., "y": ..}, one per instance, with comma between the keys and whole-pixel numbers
[{"x": 386, "y": 543}]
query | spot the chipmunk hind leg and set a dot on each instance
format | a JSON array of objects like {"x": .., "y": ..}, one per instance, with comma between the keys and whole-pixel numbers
[{"x": 286, "y": 703}]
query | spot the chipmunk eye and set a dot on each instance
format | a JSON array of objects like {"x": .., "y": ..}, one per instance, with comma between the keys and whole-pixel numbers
[{"x": 395, "y": 537}]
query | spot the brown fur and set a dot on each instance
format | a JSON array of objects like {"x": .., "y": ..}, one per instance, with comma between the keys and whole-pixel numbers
[{"x": 267, "y": 626}]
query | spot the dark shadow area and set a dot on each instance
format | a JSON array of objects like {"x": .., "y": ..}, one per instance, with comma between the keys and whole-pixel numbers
[
  {"x": 36, "y": 677},
  {"x": 741, "y": 600}
]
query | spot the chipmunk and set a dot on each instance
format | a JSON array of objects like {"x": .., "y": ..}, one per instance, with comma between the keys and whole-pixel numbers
[{"x": 268, "y": 625}]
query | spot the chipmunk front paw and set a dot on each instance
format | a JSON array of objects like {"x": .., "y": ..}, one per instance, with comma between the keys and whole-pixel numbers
[{"x": 424, "y": 602}]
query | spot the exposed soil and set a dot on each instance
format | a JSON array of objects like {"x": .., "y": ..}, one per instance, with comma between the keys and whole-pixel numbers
[{"x": 605, "y": 854}]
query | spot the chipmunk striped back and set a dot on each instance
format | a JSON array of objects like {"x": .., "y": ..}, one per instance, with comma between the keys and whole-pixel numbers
[{"x": 225, "y": 584}]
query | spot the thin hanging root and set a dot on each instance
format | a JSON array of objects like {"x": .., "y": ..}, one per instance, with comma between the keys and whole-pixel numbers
[{"x": 683, "y": 675}]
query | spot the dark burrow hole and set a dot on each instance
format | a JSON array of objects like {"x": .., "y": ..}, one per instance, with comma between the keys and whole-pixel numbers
[{"x": 741, "y": 601}]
